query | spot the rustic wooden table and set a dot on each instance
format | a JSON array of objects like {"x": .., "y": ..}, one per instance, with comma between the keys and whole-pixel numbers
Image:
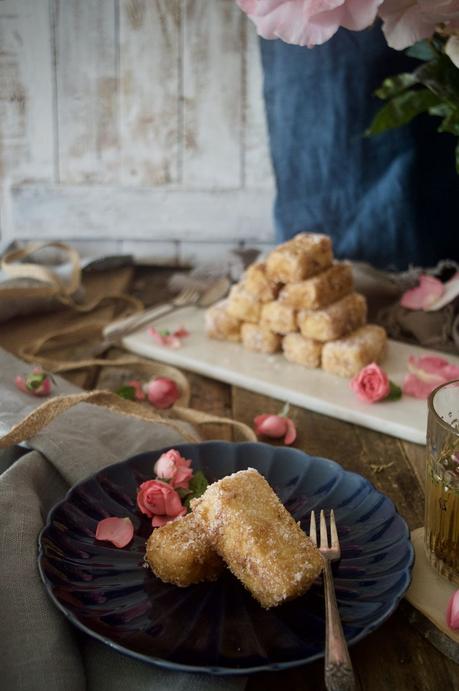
[{"x": 396, "y": 657}]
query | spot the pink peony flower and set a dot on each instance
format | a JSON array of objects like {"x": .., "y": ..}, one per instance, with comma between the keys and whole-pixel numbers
[
  {"x": 426, "y": 373},
  {"x": 173, "y": 467},
  {"x": 162, "y": 392},
  {"x": 159, "y": 501},
  {"x": 408, "y": 21},
  {"x": 275, "y": 426},
  {"x": 424, "y": 295},
  {"x": 37, "y": 382},
  {"x": 452, "y": 612},
  {"x": 308, "y": 22},
  {"x": 371, "y": 384},
  {"x": 119, "y": 531}
]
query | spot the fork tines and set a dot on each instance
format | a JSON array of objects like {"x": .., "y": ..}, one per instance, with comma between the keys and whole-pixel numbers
[{"x": 325, "y": 544}]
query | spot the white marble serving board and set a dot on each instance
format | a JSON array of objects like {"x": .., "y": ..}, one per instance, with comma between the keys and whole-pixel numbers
[{"x": 274, "y": 376}]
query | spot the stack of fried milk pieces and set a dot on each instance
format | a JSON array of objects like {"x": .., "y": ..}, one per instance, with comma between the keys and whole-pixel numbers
[{"x": 301, "y": 301}]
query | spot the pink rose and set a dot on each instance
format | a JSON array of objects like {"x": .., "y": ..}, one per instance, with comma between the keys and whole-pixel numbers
[
  {"x": 173, "y": 467},
  {"x": 408, "y": 21},
  {"x": 371, "y": 384},
  {"x": 159, "y": 501},
  {"x": 275, "y": 426},
  {"x": 162, "y": 392},
  {"x": 308, "y": 22}
]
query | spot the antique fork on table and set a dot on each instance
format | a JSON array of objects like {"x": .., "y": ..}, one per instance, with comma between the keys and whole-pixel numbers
[{"x": 339, "y": 675}]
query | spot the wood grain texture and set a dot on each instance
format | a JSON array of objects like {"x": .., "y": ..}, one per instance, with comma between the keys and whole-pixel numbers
[
  {"x": 87, "y": 90},
  {"x": 88, "y": 211},
  {"x": 149, "y": 84},
  {"x": 26, "y": 102},
  {"x": 212, "y": 92}
]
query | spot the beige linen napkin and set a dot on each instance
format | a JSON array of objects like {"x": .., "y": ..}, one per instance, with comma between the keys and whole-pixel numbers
[{"x": 39, "y": 649}]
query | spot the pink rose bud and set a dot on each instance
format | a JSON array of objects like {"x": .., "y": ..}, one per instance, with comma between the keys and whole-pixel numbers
[
  {"x": 275, "y": 426},
  {"x": 157, "y": 498},
  {"x": 371, "y": 384},
  {"x": 119, "y": 531},
  {"x": 37, "y": 383},
  {"x": 452, "y": 612},
  {"x": 162, "y": 392},
  {"x": 173, "y": 467}
]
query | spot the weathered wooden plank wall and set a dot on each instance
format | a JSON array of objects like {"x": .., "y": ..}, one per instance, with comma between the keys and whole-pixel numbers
[{"x": 132, "y": 122}]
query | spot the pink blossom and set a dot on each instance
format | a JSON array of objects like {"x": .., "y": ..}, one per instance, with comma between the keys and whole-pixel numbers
[
  {"x": 371, "y": 384},
  {"x": 275, "y": 426},
  {"x": 308, "y": 22},
  {"x": 158, "y": 499},
  {"x": 173, "y": 467},
  {"x": 119, "y": 531},
  {"x": 452, "y": 612},
  {"x": 37, "y": 382},
  {"x": 162, "y": 392},
  {"x": 408, "y": 21},
  {"x": 426, "y": 373},
  {"x": 424, "y": 295},
  {"x": 168, "y": 339}
]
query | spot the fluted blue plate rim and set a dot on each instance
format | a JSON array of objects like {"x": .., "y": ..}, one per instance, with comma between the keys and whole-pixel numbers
[{"x": 281, "y": 451}]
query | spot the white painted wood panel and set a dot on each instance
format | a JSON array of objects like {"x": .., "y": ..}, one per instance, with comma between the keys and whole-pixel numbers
[
  {"x": 87, "y": 90},
  {"x": 212, "y": 87},
  {"x": 26, "y": 100},
  {"x": 257, "y": 163},
  {"x": 149, "y": 86},
  {"x": 141, "y": 213}
]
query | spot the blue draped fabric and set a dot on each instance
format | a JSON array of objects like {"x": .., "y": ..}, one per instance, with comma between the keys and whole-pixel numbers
[{"x": 392, "y": 199}]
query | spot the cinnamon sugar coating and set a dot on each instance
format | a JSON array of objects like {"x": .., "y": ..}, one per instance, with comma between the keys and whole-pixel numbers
[
  {"x": 278, "y": 317},
  {"x": 243, "y": 305},
  {"x": 303, "y": 351},
  {"x": 301, "y": 257},
  {"x": 221, "y": 325},
  {"x": 320, "y": 291},
  {"x": 334, "y": 321},
  {"x": 258, "y": 284},
  {"x": 346, "y": 356},
  {"x": 260, "y": 339},
  {"x": 180, "y": 553},
  {"x": 258, "y": 538}
]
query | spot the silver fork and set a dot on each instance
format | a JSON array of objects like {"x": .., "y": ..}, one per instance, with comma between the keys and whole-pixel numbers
[{"x": 339, "y": 675}]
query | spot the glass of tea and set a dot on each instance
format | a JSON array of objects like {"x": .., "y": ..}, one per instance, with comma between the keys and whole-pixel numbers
[{"x": 442, "y": 481}]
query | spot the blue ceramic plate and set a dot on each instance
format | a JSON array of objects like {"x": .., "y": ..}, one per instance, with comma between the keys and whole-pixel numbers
[{"x": 218, "y": 627}]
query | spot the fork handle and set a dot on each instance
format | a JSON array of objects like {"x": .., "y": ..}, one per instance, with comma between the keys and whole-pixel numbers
[
  {"x": 121, "y": 327},
  {"x": 339, "y": 675}
]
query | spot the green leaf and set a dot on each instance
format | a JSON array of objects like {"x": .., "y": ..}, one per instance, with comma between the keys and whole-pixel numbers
[
  {"x": 422, "y": 50},
  {"x": 34, "y": 381},
  {"x": 441, "y": 77},
  {"x": 395, "y": 392},
  {"x": 165, "y": 332},
  {"x": 450, "y": 123},
  {"x": 198, "y": 484},
  {"x": 392, "y": 86},
  {"x": 402, "y": 109},
  {"x": 182, "y": 492},
  {"x": 127, "y": 392}
]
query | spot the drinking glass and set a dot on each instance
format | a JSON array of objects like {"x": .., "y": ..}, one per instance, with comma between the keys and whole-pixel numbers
[{"x": 442, "y": 481}]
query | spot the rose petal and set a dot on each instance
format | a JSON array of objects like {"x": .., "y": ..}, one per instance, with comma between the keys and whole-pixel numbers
[
  {"x": 413, "y": 386},
  {"x": 291, "y": 432},
  {"x": 273, "y": 426},
  {"x": 119, "y": 531},
  {"x": 452, "y": 612},
  {"x": 156, "y": 336},
  {"x": 181, "y": 333},
  {"x": 424, "y": 295},
  {"x": 138, "y": 389}
]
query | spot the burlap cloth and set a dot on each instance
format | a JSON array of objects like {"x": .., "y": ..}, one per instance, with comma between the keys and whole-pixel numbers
[{"x": 39, "y": 649}]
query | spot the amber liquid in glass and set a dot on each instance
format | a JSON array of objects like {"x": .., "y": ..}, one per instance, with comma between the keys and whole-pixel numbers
[{"x": 442, "y": 518}]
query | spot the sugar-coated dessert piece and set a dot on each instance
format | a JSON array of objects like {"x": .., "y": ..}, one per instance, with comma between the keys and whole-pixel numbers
[
  {"x": 259, "y": 338},
  {"x": 303, "y": 351},
  {"x": 258, "y": 284},
  {"x": 258, "y": 538},
  {"x": 278, "y": 317},
  {"x": 305, "y": 255},
  {"x": 180, "y": 553},
  {"x": 348, "y": 355},
  {"x": 334, "y": 321},
  {"x": 243, "y": 305},
  {"x": 221, "y": 325},
  {"x": 319, "y": 291}
]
